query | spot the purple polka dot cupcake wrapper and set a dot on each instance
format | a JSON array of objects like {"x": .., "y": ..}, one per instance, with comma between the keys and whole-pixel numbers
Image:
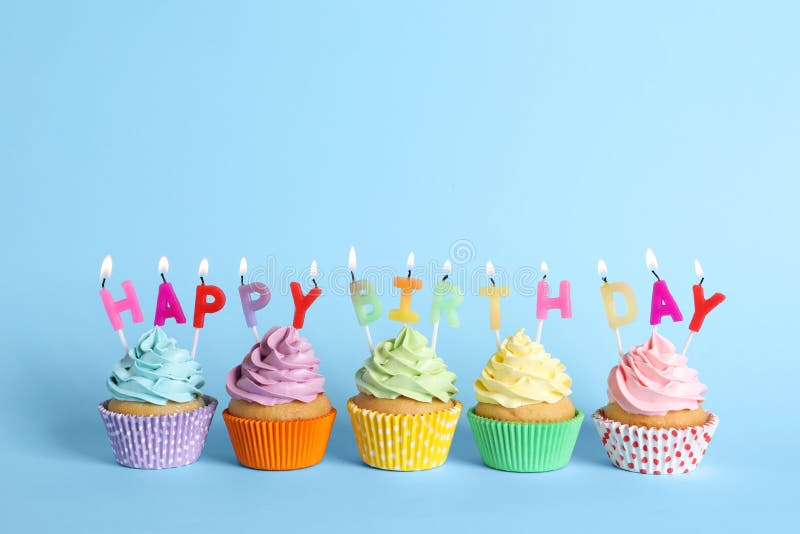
[{"x": 158, "y": 441}]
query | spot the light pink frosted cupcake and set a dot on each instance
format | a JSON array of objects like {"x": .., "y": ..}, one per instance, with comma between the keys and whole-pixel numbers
[{"x": 654, "y": 422}]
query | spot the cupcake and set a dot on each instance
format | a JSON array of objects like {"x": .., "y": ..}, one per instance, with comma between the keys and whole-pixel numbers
[
  {"x": 157, "y": 416},
  {"x": 654, "y": 422},
  {"x": 524, "y": 420},
  {"x": 279, "y": 417},
  {"x": 404, "y": 416}
]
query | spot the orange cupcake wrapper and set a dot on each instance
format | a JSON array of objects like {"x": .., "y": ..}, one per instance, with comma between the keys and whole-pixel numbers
[
  {"x": 279, "y": 445},
  {"x": 404, "y": 442}
]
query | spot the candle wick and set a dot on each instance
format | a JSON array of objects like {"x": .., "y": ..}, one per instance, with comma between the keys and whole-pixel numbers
[
  {"x": 103, "y": 284},
  {"x": 315, "y": 282},
  {"x": 163, "y": 277},
  {"x": 605, "y": 279},
  {"x": 491, "y": 280},
  {"x": 544, "y": 276},
  {"x": 409, "y": 273},
  {"x": 445, "y": 277},
  {"x": 241, "y": 279},
  {"x": 701, "y": 281},
  {"x": 352, "y": 276},
  {"x": 202, "y": 280},
  {"x": 656, "y": 275}
]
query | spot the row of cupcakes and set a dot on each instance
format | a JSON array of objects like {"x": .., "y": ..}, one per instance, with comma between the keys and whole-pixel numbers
[{"x": 404, "y": 415}]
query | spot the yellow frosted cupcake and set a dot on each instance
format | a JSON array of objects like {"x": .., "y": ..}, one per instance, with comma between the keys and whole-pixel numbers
[{"x": 524, "y": 420}]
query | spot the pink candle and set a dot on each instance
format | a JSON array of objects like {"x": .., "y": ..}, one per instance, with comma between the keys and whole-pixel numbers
[
  {"x": 114, "y": 308},
  {"x": 167, "y": 304},
  {"x": 251, "y": 305},
  {"x": 545, "y": 303},
  {"x": 662, "y": 304}
]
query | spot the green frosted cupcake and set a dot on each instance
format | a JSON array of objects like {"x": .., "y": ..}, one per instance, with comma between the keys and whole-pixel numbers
[{"x": 524, "y": 420}]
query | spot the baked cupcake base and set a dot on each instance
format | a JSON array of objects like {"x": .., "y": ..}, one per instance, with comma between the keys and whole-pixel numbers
[
  {"x": 279, "y": 445},
  {"x": 652, "y": 450},
  {"x": 158, "y": 441},
  {"x": 398, "y": 442},
  {"x": 525, "y": 447}
]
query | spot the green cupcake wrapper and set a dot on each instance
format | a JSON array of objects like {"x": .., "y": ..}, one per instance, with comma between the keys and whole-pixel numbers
[{"x": 525, "y": 447}]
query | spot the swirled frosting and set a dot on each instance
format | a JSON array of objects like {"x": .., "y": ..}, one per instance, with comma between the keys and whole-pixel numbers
[
  {"x": 651, "y": 379},
  {"x": 156, "y": 371},
  {"x": 405, "y": 366},
  {"x": 280, "y": 369},
  {"x": 522, "y": 373}
]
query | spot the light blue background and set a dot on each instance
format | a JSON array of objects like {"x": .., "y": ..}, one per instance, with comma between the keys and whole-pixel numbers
[{"x": 559, "y": 131}]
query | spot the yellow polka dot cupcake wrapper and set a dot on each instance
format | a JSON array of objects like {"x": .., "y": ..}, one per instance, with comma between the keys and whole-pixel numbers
[{"x": 404, "y": 442}]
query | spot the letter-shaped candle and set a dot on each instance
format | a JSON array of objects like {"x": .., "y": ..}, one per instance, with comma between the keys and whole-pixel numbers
[
  {"x": 407, "y": 286},
  {"x": 303, "y": 302},
  {"x": 545, "y": 303},
  {"x": 494, "y": 292},
  {"x": 114, "y": 308},
  {"x": 366, "y": 303},
  {"x": 447, "y": 297},
  {"x": 167, "y": 304},
  {"x": 662, "y": 303},
  {"x": 201, "y": 304},
  {"x": 251, "y": 305},
  {"x": 702, "y": 307}
]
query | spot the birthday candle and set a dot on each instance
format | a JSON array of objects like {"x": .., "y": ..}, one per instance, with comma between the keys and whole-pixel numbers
[
  {"x": 303, "y": 302},
  {"x": 114, "y": 308},
  {"x": 251, "y": 305},
  {"x": 494, "y": 292},
  {"x": 366, "y": 304},
  {"x": 441, "y": 303},
  {"x": 662, "y": 303},
  {"x": 545, "y": 303},
  {"x": 201, "y": 304},
  {"x": 607, "y": 291},
  {"x": 407, "y": 286},
  {"x": 702, "y": 306},
  {"x": 167, "y": 304}
]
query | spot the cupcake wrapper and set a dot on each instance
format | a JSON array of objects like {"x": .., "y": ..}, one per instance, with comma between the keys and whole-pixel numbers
[
  {"x": 654, "y": 451},
  {"x": 279, "y": 445},
  {"x": 525, "y": 447},
  {"x": 158, "y": 441},
  {"x": 404, "y": 442}
]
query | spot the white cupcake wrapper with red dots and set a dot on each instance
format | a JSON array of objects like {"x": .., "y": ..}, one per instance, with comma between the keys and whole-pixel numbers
[{"x": 654, "y": 451}]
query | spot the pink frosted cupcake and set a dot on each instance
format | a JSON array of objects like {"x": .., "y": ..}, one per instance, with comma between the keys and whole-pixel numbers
[
  {"x": 654, "y": 422},
  {"x": 279, "y": 416}
]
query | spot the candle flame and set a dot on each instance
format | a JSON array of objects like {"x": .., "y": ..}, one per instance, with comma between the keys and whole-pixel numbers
[
  {"x": 698, "y": 269},
  {"x": 351, "y": 259},
  {"x": 105, "y": 268},
  {"x": 602, "y": 269},
  {"x": 313, "y": 269},
  {"x": 203, "y": 269},
  {"x": 544, "y": 267},
  {"x": 163, "y": 265},
  {"x": 410, "y": 261},
  {"x": 243, "y": 266},
  {"x": 489, "y": 268},
  {"x": 447, "y": 267},
  {"x": 650, "y": 259}
]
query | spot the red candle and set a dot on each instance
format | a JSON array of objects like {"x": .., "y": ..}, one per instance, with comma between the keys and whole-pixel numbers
[
  {"x": 201, "y": 304},
  {"x": 303, "y": 302},
  {"x": 702, "y": 306}
]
